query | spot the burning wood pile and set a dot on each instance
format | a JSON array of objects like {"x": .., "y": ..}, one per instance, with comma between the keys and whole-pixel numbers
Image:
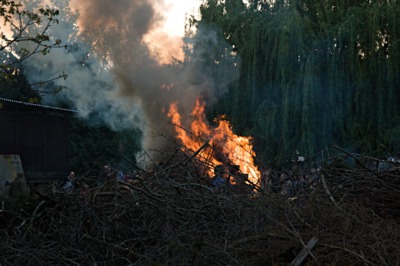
[{"x": 340, "y": 215}]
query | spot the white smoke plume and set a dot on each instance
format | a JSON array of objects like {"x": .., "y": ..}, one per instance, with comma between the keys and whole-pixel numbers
[{"x": 113, "y": 75}]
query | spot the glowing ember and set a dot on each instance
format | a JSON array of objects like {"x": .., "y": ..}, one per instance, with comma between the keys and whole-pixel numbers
[{"x": 223, "y": 141}]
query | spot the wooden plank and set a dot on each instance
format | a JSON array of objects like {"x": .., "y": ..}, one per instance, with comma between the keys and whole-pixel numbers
[{"x": 304, "y": 253}]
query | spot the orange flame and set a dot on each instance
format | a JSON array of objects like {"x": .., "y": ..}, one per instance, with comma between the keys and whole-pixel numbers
[{"x": 237, "y": 149}]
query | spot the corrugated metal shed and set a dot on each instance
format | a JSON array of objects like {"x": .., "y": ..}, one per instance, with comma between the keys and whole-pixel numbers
[{"x": 39, "y": 134}]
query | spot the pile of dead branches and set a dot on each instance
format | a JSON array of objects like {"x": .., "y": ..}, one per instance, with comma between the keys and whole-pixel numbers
[{"x": 171, "y": 215}]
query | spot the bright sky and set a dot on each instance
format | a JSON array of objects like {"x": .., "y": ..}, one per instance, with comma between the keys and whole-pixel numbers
[
  {"x": 175, "y": 23},
  {"x": 166, "y": 41}
]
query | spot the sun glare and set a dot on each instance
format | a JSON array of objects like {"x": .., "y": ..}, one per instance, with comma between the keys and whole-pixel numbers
[
  {"x": 176, "y": 13},
  {"x": 166, "y": 41}
]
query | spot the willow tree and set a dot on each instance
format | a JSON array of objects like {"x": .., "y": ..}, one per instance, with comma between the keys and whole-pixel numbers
[{"x": 314, "y": 73}]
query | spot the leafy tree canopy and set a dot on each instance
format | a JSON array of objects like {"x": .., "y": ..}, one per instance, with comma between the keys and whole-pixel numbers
[{"x": 313, "y": 73}]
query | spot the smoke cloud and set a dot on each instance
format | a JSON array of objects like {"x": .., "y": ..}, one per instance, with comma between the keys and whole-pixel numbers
[{"x": 115, "y": 76}]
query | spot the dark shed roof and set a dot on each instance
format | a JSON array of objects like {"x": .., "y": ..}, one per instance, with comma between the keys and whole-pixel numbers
[{"x": 36, "y": 105}]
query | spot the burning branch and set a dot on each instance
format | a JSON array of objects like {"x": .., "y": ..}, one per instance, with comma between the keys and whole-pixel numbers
[{"x": 225, "y": 146}]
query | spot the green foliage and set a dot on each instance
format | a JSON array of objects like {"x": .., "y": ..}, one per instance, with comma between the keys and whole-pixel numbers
[
  {"x": 18, "y": 88},
  {"x": 92, "y": 147},
  {"x": 313, "y": 73}
]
